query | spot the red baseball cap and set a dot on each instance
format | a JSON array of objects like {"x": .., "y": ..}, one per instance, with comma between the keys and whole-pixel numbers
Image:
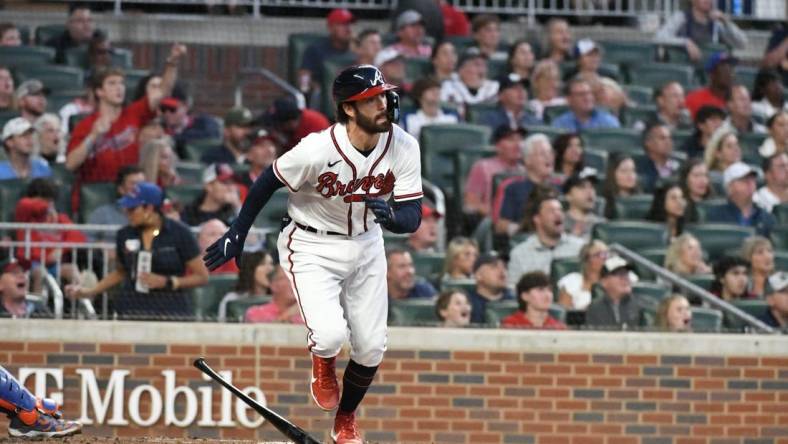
[
  {"x": 170, "y": 102},
  {"x": 340, "y": 16},
  {"x": 427, "y": 211}
]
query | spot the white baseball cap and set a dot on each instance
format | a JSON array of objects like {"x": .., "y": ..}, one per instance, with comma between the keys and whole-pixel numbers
[
  {"x": 778, "y": 281},
  {"x": 585, "y": 46},
  {"x": 736, "y": 171},
  {"x": 386, "y": 55},
  {"x": 16, "y": 127}
]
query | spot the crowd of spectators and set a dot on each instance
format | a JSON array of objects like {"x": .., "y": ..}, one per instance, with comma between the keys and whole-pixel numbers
[{"x": 537, "y": 188}]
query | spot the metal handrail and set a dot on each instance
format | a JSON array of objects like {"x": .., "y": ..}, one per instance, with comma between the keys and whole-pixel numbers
[
  {"x": 693, "y": 289},
  {"x": 276, "y": 80}
]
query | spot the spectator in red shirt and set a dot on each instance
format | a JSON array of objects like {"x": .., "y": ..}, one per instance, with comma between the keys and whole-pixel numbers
[
  {"x": 455, "y": 22},
  {"x": 719, "y": 68},
  {"x": 283, "y": 306},
  {"x": 534, "y": 296},
  {"x": 106, "y": 140},
  {"x": 289, "y": 124}
]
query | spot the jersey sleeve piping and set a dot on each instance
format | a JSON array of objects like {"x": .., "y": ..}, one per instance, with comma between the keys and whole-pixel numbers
[
  {"x": 282, "y": 178},
  {"x": 411, "y": 196}
]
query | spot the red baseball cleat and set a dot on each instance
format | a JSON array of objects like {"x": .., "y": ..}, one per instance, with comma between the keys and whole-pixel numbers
[
  {"x": 345, "y": 430},
  {"x": 324, "y": 385}
]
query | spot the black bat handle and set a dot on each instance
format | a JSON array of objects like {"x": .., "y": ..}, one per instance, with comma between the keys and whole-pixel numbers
[{"x": 281, "y": 424}]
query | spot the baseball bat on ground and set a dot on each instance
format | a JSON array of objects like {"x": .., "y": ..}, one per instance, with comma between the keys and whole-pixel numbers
[{"x": 290, "y": 430}]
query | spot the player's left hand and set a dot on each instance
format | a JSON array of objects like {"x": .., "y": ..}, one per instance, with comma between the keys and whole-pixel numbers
[
  {"x": 229, "y": 246},
  {"x": 384, "y": 214}
]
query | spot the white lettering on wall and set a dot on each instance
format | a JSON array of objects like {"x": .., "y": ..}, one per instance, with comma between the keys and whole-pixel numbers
[
  {"x": 89, "y": 389},
  {"x": 40, "y": 382},
  {"x": 155, "y": 405}
]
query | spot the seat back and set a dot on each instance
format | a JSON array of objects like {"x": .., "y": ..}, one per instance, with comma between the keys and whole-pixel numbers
[
  {"x": 717, "y": 238},
  {"x": 94, "y": 195},
  {"x": 194, "y": 149},
  {"x": 429, "y": 265},
  {"x": 183, "y": 194},
  {"x": 19, "y": 56},
  {"x": 633, "y": 207},
  {"x": 650, "y": 292},
  {"x": 633, "y": 235},
  {"x": 54, "y": 77},
  {"x": 706, "y": 319},
  {"x": 496, "y": 311},
  {"x": 45, "y": 32},
  {"x": 439, "y": 143},
  {"x": 272, "y": 213},
  {"x": 656, "y": 74},
  {"x": 642, "y": 95},
  {"x": 413, "y": 312},
  {"x": 561, "y": 267},
  {"x": 613, "y": 139},
  {"x": 236, "y": 310},
  {"x": 656, "y": 256}
]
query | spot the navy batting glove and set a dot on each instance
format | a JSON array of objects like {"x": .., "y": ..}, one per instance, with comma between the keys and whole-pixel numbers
[
  {"x": 229, "y": 246},
  {"x": 384, "y": 214}
]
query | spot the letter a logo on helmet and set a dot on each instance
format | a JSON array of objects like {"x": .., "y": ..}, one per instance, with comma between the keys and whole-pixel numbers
[{"x": 359, "y": 82}]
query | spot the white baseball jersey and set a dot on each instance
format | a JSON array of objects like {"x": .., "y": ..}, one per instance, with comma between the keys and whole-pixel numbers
[{"x": 328, "y": 178}]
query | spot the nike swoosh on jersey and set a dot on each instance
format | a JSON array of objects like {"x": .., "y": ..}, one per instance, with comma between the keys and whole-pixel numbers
[
  {"x": 226, "y": 242},
  {"x": 331, "y": 164}
]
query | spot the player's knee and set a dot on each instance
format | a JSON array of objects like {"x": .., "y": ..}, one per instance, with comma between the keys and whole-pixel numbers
[
  {"x": 370, "y": 354},
  {"x": 331, "y": 340}
]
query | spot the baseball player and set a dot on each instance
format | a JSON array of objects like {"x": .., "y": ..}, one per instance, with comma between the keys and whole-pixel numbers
[
  {"x": 31, "y": 418},
  {"x": 340, "y": 182}
]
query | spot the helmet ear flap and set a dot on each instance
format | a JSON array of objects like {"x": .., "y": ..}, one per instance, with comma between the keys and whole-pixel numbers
[{"x": 392, "y": 107}]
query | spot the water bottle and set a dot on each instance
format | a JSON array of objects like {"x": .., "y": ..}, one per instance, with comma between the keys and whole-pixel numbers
[{"x": 737, "y": 7}]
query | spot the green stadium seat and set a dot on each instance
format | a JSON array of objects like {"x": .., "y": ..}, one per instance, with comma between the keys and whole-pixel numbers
[
  {"x": 613, "y": 139},
  {"x": 706, "y": 319},
  {"x": 78, "y": 58},
  {"x": 656, "y": 74},
  {"x": 634, "y": 114},
  {"x": 194, "y": 149},
  {"x": 715, "y": 239},
  {"x": 651, "y": 292},
  {"x": 656, "y": 256},
  {"x": 549, "y": 131},
  {"x": 20, "y": 56},
  {"x": 780, "y": 212},
  {"x": 781, "y": 260},
  {"x": 94, "y": 195},
  {"x": 416, "y": 68},
  {"x": 753, "y": 307},
  {"x": 642, "y": 95},
  {"x": 750, "y": 142},
  {"x": 45, "y": 32},
  {"x": 561, "y": 267},
  {"x": 680, "y": 137},
  {"x": 466, "y": 285},
  {"x": 703, "y": 207},
  {"x": 190, "y": 172},
  {"x": 475, "y": 112},
  {"x": 331, "y": 67},
  {"x": 495, "y": 312},
  {"x": 440, "y": 142},
  {"x": 779, "y": 237},
  {"x": 54, "y": 77},
  {"x": 496, "y": 68},
  {"x": 551, "y": 112},
  {"x": 272, "y": 213},
  {"x": 633, "y": 207},
  {"x": 595, "y": 159},
  {"x": 463, "y": 162},
  {"x": 701, "y": 280},
  {"x": 132, "y": 77},
  {"x": 297, "y": 44},
  {"x": 628, "y": 53},
  {"x": 746, "y": 76},
  {"x": 236, "y": 310},
  {"x": 205, "y": 303},
  {"x": 5, "y": 116},
  {"x": 184, "y": 194},
  {"x": 394, "y": 239},
  {"x": 678, "y": 54},
  {"x": 58, "y": 99},
  {"x": 10, "y": 192},
  {"x": 24, "y": 33},
  {"x": 429, "y": 265},
  {"x": 633, "y": 235},
  {"x": 412, "y": 312}
]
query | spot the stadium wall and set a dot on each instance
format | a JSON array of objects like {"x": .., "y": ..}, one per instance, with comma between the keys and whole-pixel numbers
[{"x": 435, "y": 385}]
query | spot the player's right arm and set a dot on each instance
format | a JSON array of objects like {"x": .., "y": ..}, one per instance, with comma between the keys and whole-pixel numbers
[{"x": 231, "y": 244}]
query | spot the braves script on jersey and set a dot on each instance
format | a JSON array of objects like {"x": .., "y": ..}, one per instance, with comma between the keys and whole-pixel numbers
[{"x": 328, "y": 178}]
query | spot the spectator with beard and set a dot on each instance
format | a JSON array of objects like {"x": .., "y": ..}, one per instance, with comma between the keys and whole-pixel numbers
[
  {"x": 469, "y": 85},
  {"x": 183, "y": 125},
  {"x": 220, "y": 198},
  {"x": 336, "y": 44},
  {"x": 401, "y": 277},
  {"x": 18, "y": 145},
  {"x": 31, "y": 99},
  {"x": 7, "y": 102},
  {"x": 580, "y": 194},
  {"x": 740, "y": 112},
  {"x": 534, "y": 297},
  {"x": 545, "y": 217},
  {"x": 48, "y": 139},
  {"x": 775, "y": 191},
  {"x": 288, "y": 124},
  {"x": 425, "y": 238},
  {"x": 490, "y": 274},
  {"x": 237, "y": 128},
  {"x": 453, "y": 309}
]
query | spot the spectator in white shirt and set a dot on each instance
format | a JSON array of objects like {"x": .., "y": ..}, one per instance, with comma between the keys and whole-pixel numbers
[
  {"x": 777, "y": 142},
  {"x": 768, "y": 94},
  {"x": 426, "y": 94},
  {"x": 775, "y": 191},
  {"x": 470, "y": 85}
]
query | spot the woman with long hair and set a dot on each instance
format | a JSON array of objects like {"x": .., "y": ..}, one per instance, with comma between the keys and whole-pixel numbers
[
  {"x": 777, "y": 142},
  {"x": 521, "y": 59},
  {"x": 759, "y": 252},
  {"x": 669, "y": 206},
  {"x": 621, "y": 179},
  {"x": 696, "y": 185},
  {"x": 574, "y": 289},
  {"x": 444, "y": 60},
  {"x": 722, "y": 151},
  {"x": 674, "y": 314},
  {"x": 461, "y": 253},
  {"x": 685, "y": 256},
  {"x": 568, "y": 155},
  {"x": 545, "y": 87}
]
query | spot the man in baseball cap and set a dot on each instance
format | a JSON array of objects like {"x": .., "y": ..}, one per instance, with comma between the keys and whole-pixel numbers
[
  {"x": 237, "y": 133},
  {"x": 220, "y": 198},
  {"x": 182, "y": 125},
  {"x": 289, "y": 124},
  {"x": 777, "y": 298},
  {"x": 740, "y": 183},
  {"x": 18, "y": 145},
  {"x": 32, "y": 100},
  {"x": 618, "y": 306},
  {"x": 719, "y": 70},
  {"x": 335, "y": 45},
  {"x": 511, "y": 109},
  {"x": 410, "y": 31},
  {"x": 580, "y": 194}
]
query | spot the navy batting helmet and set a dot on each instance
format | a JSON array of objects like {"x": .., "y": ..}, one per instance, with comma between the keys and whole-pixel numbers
[{"x": 361, "y": 82}]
